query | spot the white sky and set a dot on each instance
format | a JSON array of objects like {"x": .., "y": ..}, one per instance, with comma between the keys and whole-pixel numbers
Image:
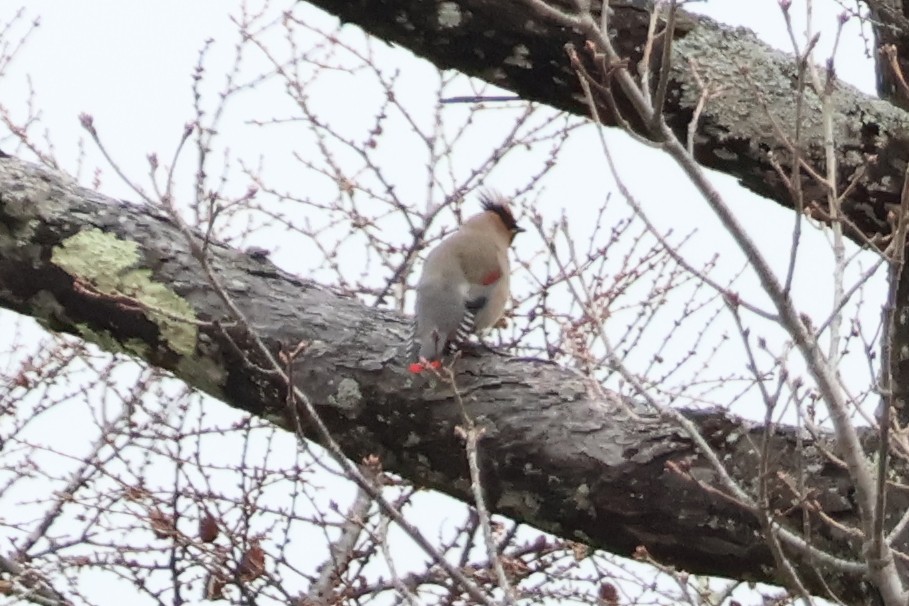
[{"x": 128, "y": 64}]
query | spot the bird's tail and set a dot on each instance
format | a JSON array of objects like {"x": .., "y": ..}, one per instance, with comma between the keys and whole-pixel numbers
[{"x": 424, "y": 351}]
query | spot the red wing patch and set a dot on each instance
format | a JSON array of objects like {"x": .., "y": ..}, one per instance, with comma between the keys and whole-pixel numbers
[{"x": 491, "y": 277}]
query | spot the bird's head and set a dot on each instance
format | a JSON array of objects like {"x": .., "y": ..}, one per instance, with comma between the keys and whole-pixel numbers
[{"x": 496, "y": 207}]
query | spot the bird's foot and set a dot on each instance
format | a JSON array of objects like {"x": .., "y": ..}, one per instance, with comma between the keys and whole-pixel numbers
[{"x": 424, "y": 364}]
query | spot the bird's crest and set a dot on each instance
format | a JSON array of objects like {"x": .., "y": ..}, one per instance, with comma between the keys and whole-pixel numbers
[{"x": 498, "y": 204}]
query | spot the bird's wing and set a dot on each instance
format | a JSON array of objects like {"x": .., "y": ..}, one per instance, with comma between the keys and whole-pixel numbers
[{"x": 481, "y": 263}]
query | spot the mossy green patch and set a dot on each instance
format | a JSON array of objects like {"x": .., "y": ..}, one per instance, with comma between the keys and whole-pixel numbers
[
  {"x": 110, "y": 265},
  {"x": 206, "y": 374},
  {"x": 106, "y": 341}
]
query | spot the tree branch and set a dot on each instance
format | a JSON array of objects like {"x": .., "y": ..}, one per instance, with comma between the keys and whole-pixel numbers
[
  {"x": 508, "y": 46},
  {"x": 553, "y": 456}
]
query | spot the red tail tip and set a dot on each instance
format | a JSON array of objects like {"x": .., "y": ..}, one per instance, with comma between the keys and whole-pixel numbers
[{"x": 418, "y": 367}]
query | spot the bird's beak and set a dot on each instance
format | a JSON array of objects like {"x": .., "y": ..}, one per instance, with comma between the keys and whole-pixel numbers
[{"x": 518, "y": 230}]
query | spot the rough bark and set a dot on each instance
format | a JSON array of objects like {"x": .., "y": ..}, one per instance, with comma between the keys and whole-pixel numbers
[
  {"x": 507, "y": 44},
  {"x": 890, "y": 21},
  {"x": 740, "y": 132},
  {"x": 555, "y": 457}
]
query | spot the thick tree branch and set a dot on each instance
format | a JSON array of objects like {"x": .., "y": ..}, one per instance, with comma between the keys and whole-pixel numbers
[
  {"x": 554, "y": 456},
  {"x": 890, "y": 21},
  {"x": 739, "y": 131}
]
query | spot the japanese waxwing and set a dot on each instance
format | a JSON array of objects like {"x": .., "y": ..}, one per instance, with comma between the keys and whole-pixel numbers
[{"x": 464, "y": 285}]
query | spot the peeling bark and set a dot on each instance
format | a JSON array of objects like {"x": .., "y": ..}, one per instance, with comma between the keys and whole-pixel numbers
[{"x": 555, "y": 457}]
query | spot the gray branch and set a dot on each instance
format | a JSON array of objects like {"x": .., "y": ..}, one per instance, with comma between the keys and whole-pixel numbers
[
  {"x": 507, "y": 44},
  {"x": 554, "y": 456}
]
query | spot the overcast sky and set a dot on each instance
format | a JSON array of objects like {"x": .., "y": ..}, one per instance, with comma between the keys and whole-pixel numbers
[{"x": 129, "y": 64}]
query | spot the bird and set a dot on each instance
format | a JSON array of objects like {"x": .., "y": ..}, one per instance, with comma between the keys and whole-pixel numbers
[{"x": 464, "y": 287}]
